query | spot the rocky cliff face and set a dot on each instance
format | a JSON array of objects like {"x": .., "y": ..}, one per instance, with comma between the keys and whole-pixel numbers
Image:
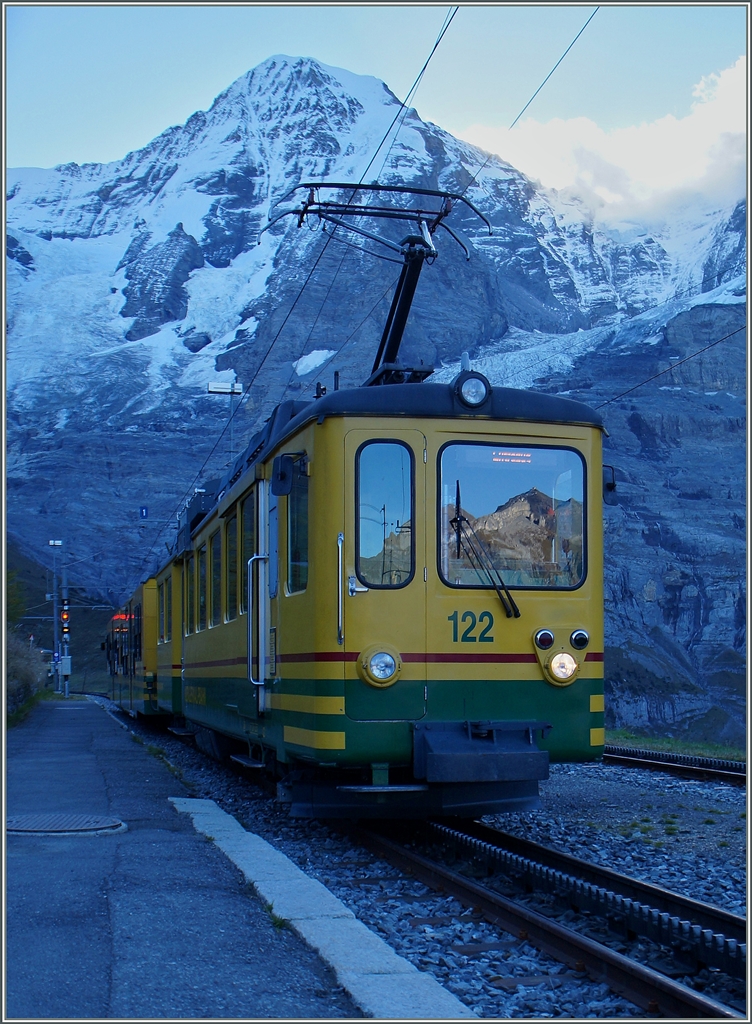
[{"x": 132, "y": 284}]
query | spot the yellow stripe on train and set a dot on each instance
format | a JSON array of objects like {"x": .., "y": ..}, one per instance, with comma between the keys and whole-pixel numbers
[
  {"x": 312, "y": 705},
  {"x": 314, "y": 739}
]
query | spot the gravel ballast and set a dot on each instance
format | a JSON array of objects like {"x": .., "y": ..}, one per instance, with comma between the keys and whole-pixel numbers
[{"x": 685, "y": 835}]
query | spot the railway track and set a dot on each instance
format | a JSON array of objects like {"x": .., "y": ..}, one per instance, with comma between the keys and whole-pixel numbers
[
  {"x": 653, "y": 991},
  {"x": 711, "y": 769}
]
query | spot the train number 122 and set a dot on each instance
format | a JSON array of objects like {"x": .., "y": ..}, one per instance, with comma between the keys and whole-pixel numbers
[{"x": 468, "y": 635}]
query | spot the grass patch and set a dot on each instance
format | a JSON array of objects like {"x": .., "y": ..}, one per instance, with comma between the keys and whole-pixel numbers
[
  {"x": 278, "y": 922},
  {"x": 21, "y": 713},
  {"x": 626, "y": 738},
  {"x": 160, "y": 755},
  {"x": 41, "y": 695}
]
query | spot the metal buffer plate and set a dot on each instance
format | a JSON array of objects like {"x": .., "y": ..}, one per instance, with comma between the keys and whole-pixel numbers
[{"x": 56, "y": 824}]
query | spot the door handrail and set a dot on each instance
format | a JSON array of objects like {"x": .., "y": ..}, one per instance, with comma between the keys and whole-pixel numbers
[{"x": 340, "y": 585}]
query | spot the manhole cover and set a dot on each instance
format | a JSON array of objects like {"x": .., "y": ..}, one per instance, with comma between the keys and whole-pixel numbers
[{"x": 63, "y": 824}]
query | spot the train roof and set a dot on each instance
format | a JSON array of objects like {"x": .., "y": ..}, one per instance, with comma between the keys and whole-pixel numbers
[{"x": 425, "y": 401}]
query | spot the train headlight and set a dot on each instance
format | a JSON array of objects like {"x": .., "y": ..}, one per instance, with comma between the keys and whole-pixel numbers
[
  {"x": 562, "y": 666},
  {"x": 382, "y": 666},
  {"x": 379, "y": 665},
  {"x": 472, "y": 388}
]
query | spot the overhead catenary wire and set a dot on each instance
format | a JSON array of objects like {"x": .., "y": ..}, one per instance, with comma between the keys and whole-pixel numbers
[
  {"x": 672, "y": 367},
  {"x": 390, "y": 287},
  {"x": 490, "y": 155},
  {"x": 544, "y": 360},
  {"x": 403, "y": 106}
]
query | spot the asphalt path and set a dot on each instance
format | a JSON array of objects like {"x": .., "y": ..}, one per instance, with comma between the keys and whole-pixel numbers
[{"x": 150, "y": 922}]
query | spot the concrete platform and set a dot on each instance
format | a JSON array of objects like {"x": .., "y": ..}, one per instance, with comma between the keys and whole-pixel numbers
[
  {"x": 381, "y": 982},
  {"x": 154, "y": 921}
]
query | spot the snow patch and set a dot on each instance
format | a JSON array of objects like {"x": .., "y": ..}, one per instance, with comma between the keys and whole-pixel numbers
[{"x": 306, "y": 364}]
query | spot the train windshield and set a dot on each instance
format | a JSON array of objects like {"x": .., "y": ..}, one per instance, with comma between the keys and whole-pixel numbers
[{"x": 512, "y": 510}]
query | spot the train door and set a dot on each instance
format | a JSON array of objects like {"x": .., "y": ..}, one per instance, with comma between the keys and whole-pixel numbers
[{"x": 384, "y": 589}]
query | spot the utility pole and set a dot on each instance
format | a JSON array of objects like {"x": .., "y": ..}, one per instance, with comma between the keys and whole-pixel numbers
[
  {"x": 65, "y": 660},
  {"x": 55, "y": 544}
]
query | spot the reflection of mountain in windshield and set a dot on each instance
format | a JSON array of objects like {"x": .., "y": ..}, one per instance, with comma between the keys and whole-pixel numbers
[
  {"x": 531, "y": 540},
  {"x": 391, "y": 566}
]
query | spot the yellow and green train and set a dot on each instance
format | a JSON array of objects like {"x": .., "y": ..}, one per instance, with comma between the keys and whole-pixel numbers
[{"x": 393, "y": 603}]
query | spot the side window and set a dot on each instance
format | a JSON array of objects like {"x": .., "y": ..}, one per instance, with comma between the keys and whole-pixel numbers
[
  {"x": 215, "y": 545},
  {"x": 161, "y": 599},
  {"x": 385, "y": 546},
  {"x": 168, "y": 608},
  {"x": 297, "y": 530},
  {"x": 231, "y": 536},
  {"x": 201, "y": 624},
  {"x": 190, "y": 596},
  {"x": 248, "y": 548}
]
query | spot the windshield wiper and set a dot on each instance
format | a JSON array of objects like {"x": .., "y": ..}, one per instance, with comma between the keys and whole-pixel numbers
[{"x": 469, "y": 540}]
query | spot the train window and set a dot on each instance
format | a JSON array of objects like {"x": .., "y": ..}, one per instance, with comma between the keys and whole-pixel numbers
[
  {"x": 215, "y": 548},
  {"x": 190, "y": 596},
  {"x": 201, "y": 623},
  {"x": 168, "y": 608},
  {"x": 297, "y": 530},
  {"x": 385, "y": 546},
  {"x": 231, "y": 539},
  {"x": 248, "y": 546},
  {"x": 161, "y": 599},
  {"x": 515, "y": 510}
]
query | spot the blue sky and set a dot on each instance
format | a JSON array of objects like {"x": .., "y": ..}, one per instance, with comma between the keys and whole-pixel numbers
[{"x": 90, "y": 82}]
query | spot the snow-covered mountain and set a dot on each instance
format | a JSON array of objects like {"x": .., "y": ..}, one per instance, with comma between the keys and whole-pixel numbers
[{"x": 134, "y": 283}]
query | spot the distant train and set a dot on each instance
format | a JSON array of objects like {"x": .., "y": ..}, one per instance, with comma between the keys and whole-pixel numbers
[{"x": 392, "y": 604}]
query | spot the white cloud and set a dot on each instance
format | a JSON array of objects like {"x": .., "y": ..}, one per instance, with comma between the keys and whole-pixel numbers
[{"x": 703, "y": 153}]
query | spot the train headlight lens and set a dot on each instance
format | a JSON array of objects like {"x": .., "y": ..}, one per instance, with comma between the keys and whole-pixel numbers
[
  {"x": 544, "y": 639},
  {"x": 579, "y": 639},
  {"x": 382, "y": 666},
  {"x": 379, "y": 665},
  {"x": 563, "y": 666},
  {"x": 473, "y": 391}
]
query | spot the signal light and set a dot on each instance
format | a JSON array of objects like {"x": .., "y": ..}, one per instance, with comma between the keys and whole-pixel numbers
[{"x": 65, "y": 619}]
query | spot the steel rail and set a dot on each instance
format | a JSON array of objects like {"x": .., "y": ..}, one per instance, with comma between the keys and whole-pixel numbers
[
  {"x": 641, "y": 908},
  {"x": 665, "y": 900},
  {"x": 641, "y": 985},
  {"x": 704, "y": 768}
]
